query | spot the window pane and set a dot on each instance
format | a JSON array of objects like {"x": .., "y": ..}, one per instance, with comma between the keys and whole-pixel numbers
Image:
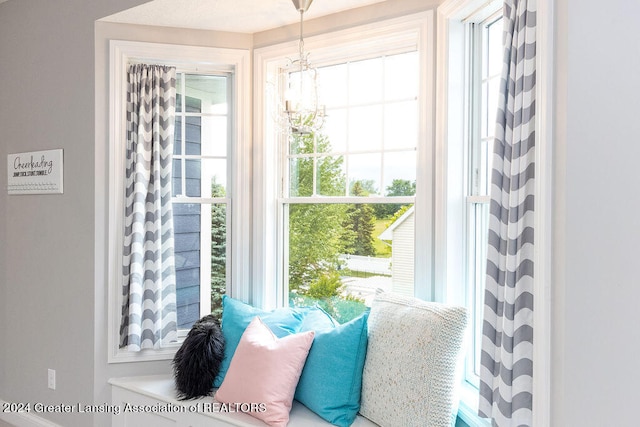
[
  {"x": 401, "y": 125},
  {"x": 301, "y": 177},
  {"x": 400, "y": 166},
  {"x": 340, "y": 254},
  {"x": 365, "y": 167},
  {"x": 214, "y": 131},
  {"x": 495, "y": 48},
  {"x": 200, "y": 164},
  {"x": 214, "y": 172},
  {"x": 364, "y": 133},
  {"x": 335, "y": 128},
  {"x": 478, "y": 168},
  {"x": 200, "y": 259},
  {"x": 492, "y": 105},
  {"x": 210, "y": 130},
  {"x": 176, "y": 178},
  {"x": 200, "y": 171},
  {"x": 193, "y": 135},
  {"x": 218, "y": 254},
  {"x": 479, "y": 217},
  {"x": 208, "y": 94},
  {"x": 336, "y": 255},
  {"x": 187, "y": 232},
  {"x": 193, "y": 177},
  {"x": 179, "y": 92},
  {"x": 365, "y": 81},
  {"x": 401, "y": 76},
  {"x": 365, "y": 128},
  {"x": 330, "y": 175},
  {"x": 332, "y": 86},
  {"x": 301, "y": 144},
  {"x": 177, "y": 138}
]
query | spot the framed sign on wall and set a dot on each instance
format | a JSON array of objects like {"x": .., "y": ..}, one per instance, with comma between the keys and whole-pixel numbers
[{"x": 36, "y": 172}]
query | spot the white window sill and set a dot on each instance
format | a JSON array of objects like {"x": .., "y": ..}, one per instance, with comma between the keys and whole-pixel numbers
[{"x": 468, "y": 409}]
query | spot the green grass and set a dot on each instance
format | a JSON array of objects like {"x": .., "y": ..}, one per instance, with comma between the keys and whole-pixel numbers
[
  {"x": 361, "y": 274},
  {"x": 382, "y": 249}
]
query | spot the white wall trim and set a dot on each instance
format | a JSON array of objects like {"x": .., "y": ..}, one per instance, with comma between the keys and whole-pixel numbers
[
  {"x": 24, "y": 419},
  {"x": 543, "y": 250}
]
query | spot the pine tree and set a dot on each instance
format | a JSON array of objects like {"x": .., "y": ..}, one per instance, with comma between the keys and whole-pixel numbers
[
  {"x": 218, "y": 250},
  {"x": 359, "y": 226}
]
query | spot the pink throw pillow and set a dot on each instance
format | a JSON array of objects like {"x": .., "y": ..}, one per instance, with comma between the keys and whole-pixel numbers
[{"x": 264, "y": 372}]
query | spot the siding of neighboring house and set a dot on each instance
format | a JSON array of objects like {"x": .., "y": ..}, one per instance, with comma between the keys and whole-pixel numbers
[
  {"x": 403, "y": 255},
  {"x": 187, "y": 221}
]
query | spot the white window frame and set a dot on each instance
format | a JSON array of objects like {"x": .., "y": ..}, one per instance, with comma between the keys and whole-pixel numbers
[
  {"x": 449, "y": 197},
  {"x": 205, "y": 203},
  {"x": 204, "y": 59},
  {"x": 475, "y": 196},
  {"x": 347, "y": 45}
]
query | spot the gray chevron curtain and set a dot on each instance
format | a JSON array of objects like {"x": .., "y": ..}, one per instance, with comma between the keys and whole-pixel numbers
[
  {"x": 149, "y": 286},
  {"x": 506, "y": 376}
]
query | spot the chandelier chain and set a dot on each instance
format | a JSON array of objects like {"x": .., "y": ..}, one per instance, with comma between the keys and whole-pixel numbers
[{"x": 301, "y": 42}]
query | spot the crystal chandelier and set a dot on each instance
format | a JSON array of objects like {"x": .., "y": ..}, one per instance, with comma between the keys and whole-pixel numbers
[{"x": 301, "y": 111}]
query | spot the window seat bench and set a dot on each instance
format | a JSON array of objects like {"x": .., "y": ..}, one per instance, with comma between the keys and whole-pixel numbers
[
  {"x": 409, "y": 378},
  {"x": 151, "y": 401}
]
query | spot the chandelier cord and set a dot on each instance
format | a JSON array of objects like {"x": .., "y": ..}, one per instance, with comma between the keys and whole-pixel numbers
[{"x": 301, "y": 42}]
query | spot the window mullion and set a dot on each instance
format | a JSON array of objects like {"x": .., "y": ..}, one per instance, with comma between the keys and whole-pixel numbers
[
  {"x": 183, "y": 136},
  {"x": 475, "y": 106}
]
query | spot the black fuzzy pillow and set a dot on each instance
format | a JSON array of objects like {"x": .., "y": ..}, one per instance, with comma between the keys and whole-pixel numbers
[{"x": 197, "y": 361}]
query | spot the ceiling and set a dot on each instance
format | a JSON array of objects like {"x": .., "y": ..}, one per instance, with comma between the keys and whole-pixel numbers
[{"x": 243, "y": 16}]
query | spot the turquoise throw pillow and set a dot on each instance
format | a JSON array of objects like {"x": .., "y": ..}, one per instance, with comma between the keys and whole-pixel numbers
[
  {"x": 237, "y": 315},
  {"x": 316, "y": 319},
  {"x": 331, "y": 380}
]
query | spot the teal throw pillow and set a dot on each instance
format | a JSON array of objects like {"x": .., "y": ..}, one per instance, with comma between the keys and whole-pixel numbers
[
  {"x": 237, "y": 315},
  {"x": 316, "y": 319},
  {"x": 331, "y": 380}
]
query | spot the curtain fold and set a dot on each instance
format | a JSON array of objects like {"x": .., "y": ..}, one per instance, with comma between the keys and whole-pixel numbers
[
  {"x": 149, "y": 317},
  {"x": 506, "y": 375}
]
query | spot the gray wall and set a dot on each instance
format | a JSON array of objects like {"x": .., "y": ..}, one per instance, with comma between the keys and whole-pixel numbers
[
  {"x": 47, "y": 86},
  {"x": 597, "y": 287}
]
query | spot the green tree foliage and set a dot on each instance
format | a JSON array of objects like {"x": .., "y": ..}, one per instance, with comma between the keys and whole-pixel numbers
[
  {"x": 218, "y": 250},
  {"x": 398, "y": 187},
  {"x": 328, "y": 285},
  {"x": 366, "y": 187},
  {"x": 398, "y": 214},
  {"x": 316, "y": 231},
  {"x": 327, "y": 293},
  {"x": 359, "y": 225},
  {"x": 314, "y": 239},
  {"x": 401, "y": 187}
]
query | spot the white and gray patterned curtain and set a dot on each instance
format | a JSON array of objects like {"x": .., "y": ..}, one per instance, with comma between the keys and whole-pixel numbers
[
  {"x": 149, "y": 286},
  {"x": 506, "y": 376}
]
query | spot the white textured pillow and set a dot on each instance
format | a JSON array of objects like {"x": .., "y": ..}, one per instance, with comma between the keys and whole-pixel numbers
[{"x": 409, "y": 376}]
